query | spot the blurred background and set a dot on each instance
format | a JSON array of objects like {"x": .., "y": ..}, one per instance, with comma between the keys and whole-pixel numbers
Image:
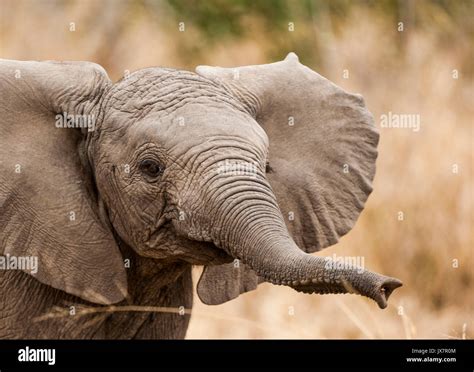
[{"x": 404, "y": 57}]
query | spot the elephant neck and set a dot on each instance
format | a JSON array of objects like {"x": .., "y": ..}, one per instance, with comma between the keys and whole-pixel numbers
[
  {"x": 163, "y": 290},
  {"x": 145, "y": 273}
]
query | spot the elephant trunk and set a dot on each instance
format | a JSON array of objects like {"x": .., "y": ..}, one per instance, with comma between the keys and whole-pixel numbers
[
  {"x": 253, "y": 230},
  {"x": 267, "y": 248},
  {"x": 245, "y": 221}
]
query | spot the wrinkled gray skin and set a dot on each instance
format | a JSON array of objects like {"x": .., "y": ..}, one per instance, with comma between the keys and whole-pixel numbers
[{"x": 156, "y": 194}]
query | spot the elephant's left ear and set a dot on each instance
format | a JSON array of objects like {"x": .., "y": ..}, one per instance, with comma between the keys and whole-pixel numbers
[
  {"x": 49, "y": 210},
  {"x": 323, "y": 145}
]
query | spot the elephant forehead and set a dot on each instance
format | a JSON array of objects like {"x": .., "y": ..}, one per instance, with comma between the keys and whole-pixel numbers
[
  {"x": 196, "y": 122},
  {"x": 159, "y": 90}
]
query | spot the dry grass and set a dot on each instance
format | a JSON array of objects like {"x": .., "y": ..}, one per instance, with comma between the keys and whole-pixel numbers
[{"x": 414, "y": 169}]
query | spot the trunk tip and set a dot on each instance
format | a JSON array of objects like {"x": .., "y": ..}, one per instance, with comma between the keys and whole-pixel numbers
[{"x": 385, "y": 290}]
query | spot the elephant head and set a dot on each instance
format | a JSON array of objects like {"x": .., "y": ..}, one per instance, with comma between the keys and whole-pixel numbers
[{"x": 260, "y": 164}]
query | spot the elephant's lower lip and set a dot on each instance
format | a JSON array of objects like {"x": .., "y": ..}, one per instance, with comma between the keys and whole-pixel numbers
[
  {"x": 197, "y": 252},
  {"x": 154, "y": 238}
]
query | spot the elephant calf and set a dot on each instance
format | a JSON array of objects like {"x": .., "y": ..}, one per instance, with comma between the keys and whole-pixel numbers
[{"x": 119, "y": 188}]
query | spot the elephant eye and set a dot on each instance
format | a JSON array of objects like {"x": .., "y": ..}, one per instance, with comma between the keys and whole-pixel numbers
[{"x": 151, "y": 168}]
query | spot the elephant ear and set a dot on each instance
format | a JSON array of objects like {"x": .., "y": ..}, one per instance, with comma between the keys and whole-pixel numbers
[
  {"x": 323, "y": 146},
  {"x": 222, "y": 283},
  {"x": 49, "y": 212}
]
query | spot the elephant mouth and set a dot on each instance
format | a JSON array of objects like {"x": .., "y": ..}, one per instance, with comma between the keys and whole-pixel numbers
[
  {"x": 210, "y": 254},
  {"x": 166, "y": 243}
]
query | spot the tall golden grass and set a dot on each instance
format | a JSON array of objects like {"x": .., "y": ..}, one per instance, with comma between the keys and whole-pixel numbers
[{"x": 430, "y": 249}]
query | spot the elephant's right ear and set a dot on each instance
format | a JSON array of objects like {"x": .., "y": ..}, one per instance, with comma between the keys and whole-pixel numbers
[
  {"x": 48, "y": 207},
  {"x": 323, "y": 145}
]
